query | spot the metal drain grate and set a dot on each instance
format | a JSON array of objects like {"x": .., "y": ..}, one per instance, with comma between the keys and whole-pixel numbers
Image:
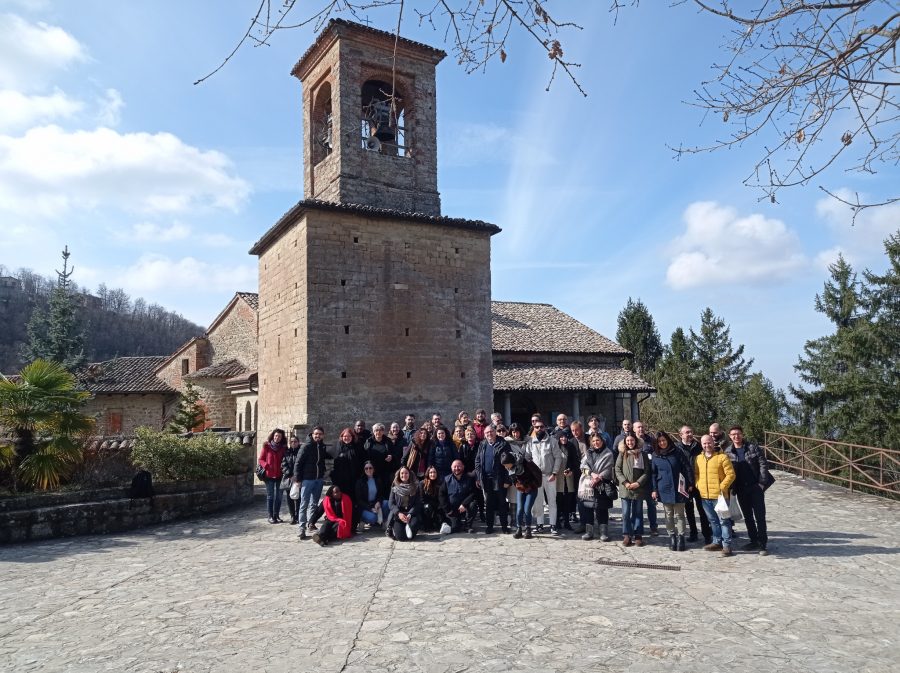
[{"x": 632, "y": 564}]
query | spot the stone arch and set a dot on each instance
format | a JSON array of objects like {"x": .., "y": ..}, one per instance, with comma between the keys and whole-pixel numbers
[
  {"x": 322, "y": 120},
  {"x": 384, "y": 114}
]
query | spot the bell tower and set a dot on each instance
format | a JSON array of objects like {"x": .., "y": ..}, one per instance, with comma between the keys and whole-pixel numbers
[{"x": 369, "y": 119}]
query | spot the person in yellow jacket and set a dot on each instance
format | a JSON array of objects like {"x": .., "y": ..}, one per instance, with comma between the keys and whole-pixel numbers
[{"x": 714, "y": 475}]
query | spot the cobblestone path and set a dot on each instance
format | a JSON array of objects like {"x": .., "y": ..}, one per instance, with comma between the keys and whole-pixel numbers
[{"x": 232, "y": 593}]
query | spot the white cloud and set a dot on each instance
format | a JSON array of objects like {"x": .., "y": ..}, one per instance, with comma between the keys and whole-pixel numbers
[
  {"x": 155, "y": 273},
  {"x": 20, "y": 111},
  {"x": 217, "y": 240},
  {"x": 464, "y": 144},
  {"x": 31, "y": 51},
  {"x": 49, "y": 171},
  {"x": 719, "y": 248},
  {"x": 147, "y": 232},
  {"x": 110, "y": 113}
]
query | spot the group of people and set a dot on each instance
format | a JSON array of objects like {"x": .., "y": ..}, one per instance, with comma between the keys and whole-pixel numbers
[{"x": 407, "y": 479}]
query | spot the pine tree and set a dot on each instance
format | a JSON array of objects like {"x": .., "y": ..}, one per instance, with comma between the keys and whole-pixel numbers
[
  {"x": 190, "y": 413},
  {"x": 678, "y": 399},
  {"x": 637, "y": 332},
  {"x": 831, "y": 365},
  {"x": 758, "y": 407},
  {"x": 721, "y": 370},
  {"x": 57, "y": 334}
]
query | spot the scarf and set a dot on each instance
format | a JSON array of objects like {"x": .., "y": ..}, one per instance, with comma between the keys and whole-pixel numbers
[
  {"x": 406, "y": 492},
  {"x": 343, "y": 521}
]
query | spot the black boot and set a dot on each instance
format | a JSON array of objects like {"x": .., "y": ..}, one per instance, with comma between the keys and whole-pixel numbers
[
  {"x": 673, "y": 542},
  {"x": 693, "y": 536},
  {"x": 681, "y": 544}
]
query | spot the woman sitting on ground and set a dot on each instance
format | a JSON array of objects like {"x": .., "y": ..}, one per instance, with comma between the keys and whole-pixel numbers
[
  {"x": 337, "y": 509},
  {"x": 431, "y": 490},
  {"x": 371, "y": 497},
  {"x": 405, "y": 506}
]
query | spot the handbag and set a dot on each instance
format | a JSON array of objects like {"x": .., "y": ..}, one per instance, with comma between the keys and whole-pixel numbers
[
  {"x": 260, "y": 473},
  {"x": 295, "y": 491},
  {"x": 286, "y": 482},
  {"x": 734, "y": 510},
  {"x": 609, "y": 489},
  {"x": 586, "y": 491}
]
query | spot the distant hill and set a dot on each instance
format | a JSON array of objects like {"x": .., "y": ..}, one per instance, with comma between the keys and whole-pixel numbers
[{"x": 114, "y": 323}]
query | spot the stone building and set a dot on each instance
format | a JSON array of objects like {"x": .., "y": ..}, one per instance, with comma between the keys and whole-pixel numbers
[
  {"x": 347, "y": 277},
  {"x": 547, "y": 361},
  {"x": 128, "y": 393}
]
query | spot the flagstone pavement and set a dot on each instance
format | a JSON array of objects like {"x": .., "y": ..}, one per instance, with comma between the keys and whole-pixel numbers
[{"x": 231, "y": 593}]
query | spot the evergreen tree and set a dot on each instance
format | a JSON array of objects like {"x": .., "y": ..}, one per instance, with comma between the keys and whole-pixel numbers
[
  {"x": 57, "y": 335},
  {"x": 678, "y": 399},
  {"x": 758, "y": 407},
  {"x": 831, "y": 366},
  {"x": 190, "y": 413},
  {"x": 637, "y": 332},
  {"x": 721, "y": 370}
]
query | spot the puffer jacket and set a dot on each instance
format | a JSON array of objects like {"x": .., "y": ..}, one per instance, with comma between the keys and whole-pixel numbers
[
  {"x": 626, "y": 472},
  {"x": 713, "y": 475},
  {"x": 546, "y": 454},
  {"x": 310, "y": 463},
  {"x": 270, "y": 458}
]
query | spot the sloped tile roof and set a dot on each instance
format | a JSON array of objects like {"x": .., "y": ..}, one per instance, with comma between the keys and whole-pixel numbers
[
  {"x": 291, "y": 216},
  {"x": 225, "y": 369},
  {"x": 542, "y": 328},
  {"x": 252, "y": 299},
  {"x": 125, "y": 375},
  {"x": 336, "y": 25},
  {"x": 513, "y": 376}
]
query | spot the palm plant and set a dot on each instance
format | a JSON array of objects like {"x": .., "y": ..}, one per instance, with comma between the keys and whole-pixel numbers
[{"x": 42, "y": 420}]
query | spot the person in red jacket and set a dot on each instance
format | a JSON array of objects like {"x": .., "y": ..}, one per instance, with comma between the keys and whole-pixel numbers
[
  {"x": 270, "y": 460},
  {"x": 337, "y": 508}
]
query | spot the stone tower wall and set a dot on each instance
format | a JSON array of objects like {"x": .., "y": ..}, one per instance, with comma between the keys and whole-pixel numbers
[
  {"x": 351, "y": 174},
  {"x": 398, "y": 321},
  {"x": 234, "y": 337},
  {"x": 283, "y": 332}
]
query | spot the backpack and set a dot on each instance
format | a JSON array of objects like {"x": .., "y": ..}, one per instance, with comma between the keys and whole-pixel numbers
[{"x": 141, "y": 487}]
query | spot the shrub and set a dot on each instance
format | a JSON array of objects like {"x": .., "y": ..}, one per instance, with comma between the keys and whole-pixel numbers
[{"x": 172, "y": 458}]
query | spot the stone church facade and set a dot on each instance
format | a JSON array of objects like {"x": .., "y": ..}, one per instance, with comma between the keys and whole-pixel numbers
[{"x": 371, "y": 303}]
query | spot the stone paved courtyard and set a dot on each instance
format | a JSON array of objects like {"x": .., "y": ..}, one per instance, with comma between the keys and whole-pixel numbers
[{"x": 232, "y": 593}]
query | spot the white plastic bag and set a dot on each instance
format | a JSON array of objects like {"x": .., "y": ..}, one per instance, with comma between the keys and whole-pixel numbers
[
  {"x": 445, "y": 528},
  {"x": 295, "y": 491},
  {"x": 734, "y": 509},
  {"x": 722, "y": 507}
]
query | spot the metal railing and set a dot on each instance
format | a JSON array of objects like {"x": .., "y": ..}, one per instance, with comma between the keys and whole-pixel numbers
[{"x": 866, "y": 469}]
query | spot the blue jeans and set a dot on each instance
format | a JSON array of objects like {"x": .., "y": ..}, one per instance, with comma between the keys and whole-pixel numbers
[
  {"x": 632, "y": 517},
  {"x": 651, "y": 512},
  {"x": 273, "y": 497},
  {"x": 310, "y": 494},
  {"x": 368, "y": 516},
  {"x": 524, "y": 505},
  {"x": 721, "y": 528}
]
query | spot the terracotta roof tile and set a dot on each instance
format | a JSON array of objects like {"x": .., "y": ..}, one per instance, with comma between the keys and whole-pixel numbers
[
  {"x": 567, "y": 376},
  {"x": 291, "y": 216},
  {"x": 124, "y": 375},
  {"x": 252, "y": 299},
  {"x": 542, "y": 328},
  {"x": 225, "y": 369}
]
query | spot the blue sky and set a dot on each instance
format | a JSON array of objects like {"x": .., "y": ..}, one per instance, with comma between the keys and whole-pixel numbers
[{"x": 161, "y": 187}]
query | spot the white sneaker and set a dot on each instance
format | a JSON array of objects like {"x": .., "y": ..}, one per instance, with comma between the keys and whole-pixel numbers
[{"x": 409, "y": 532}]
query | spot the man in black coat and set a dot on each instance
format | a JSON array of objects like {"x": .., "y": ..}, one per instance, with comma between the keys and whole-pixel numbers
[
  {"x": 493, "y": 478},
  {"x": 752, "y": 478},
  {"x": 457, "y": 498},
  {"x": 691, "y": 449},
  {"x": 309, "y": 472}
]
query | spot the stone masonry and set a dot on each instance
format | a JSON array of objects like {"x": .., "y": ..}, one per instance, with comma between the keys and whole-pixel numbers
[
  {"x": 374, "y": 318},
  {"x": 333, "y": 71}
]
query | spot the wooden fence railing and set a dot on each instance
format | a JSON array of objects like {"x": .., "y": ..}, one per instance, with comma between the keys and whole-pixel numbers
[{"x": 860, "y": 468}]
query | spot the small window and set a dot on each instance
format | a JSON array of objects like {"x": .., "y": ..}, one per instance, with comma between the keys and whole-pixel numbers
[
  {"x": 343, "y": 282},
  {"x": 462, "y": 375},
  {"x": 346, "y": 329},
  {"x": 409, "y": 375},
  {"x": 343, "y": 375},
  {"x": 356, "y": 239},
  {"x": 114, "y": 422},
  {"x": 407, "y": 331},
  {"x": 185, "y": 366},
  {"x": 459, "y": 334}
]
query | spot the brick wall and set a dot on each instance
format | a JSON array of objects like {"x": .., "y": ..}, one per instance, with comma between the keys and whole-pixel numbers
[
  {"x": 131, "y": 410},
  {"x": 196, "y": 355},
  {"x": 391, "y": 317}
]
